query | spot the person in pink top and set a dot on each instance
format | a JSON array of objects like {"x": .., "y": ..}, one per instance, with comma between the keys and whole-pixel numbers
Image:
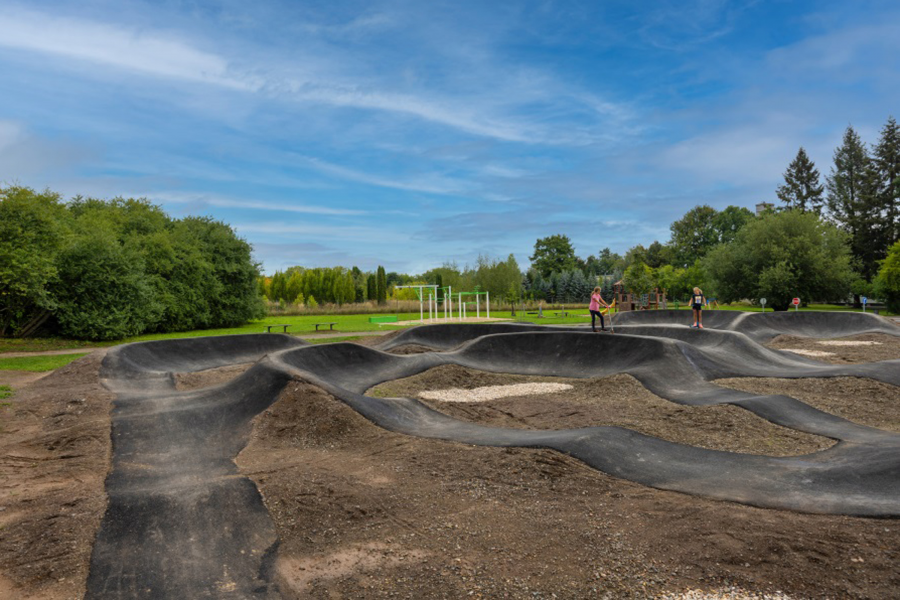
[{"x": 596, "y": 301}]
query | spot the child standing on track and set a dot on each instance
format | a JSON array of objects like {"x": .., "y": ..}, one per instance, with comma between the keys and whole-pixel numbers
[
  {"x": 596, "y": 301},
  {"x": 697, "y": 306}
]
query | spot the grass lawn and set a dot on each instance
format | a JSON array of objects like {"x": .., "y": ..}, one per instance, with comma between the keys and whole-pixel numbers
[
  {"x": 304, "y": 325},
  {"x": 38, "y": 363},
  {"x": 5, "y": 392}
]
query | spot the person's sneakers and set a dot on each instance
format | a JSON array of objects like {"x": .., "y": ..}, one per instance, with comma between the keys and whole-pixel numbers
[
  {"x": 604, "y": 329},
  {"x": 694, "y": 325},
  {"x": 700, "y": 326}
]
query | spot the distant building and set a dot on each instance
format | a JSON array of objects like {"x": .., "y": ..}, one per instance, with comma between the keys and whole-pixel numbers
[{"x": 763, "y": 207}]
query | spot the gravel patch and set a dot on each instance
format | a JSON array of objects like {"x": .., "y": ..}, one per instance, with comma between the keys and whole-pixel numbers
[
  {"x": 813, "y": 353},
  {"x": 492, "y": 392}
]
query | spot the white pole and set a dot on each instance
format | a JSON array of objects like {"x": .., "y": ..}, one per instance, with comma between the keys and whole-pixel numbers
[
  {"x": 488, "y": 302},
  {"x": 450, "y": 299},
  {"x": 421, "y": 306},
  {"x": 477, "y": 307},
  {"x": 459, "y": 301}
]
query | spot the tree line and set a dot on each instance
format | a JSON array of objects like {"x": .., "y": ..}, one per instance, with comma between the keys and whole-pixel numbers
[
  {"x": 823, "y": 241},
  {"x": 108, "y": 269}
]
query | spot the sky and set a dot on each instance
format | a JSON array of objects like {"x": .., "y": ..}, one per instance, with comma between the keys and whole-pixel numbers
[{"x": 411, "y": 134}]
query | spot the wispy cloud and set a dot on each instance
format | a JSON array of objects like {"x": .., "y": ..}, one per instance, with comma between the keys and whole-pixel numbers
[
  {"x": 315, "y": 231},
  {"x": 211, "y": 200},
  {"x": 432, "y": 184}
]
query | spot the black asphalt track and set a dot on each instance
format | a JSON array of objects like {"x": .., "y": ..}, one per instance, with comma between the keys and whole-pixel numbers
[{"x": 182, "y": 523}]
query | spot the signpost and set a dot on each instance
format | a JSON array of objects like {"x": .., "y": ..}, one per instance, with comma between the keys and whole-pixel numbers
[
  {"x": 763, "y": 302},
  {"x": 796, "y": 303},
  {"x": 864, "y": 301}
]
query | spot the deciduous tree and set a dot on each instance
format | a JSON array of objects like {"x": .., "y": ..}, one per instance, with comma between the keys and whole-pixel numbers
[
  {"x": 782, "y": 256},
  {"x": 553, "y": 254}
]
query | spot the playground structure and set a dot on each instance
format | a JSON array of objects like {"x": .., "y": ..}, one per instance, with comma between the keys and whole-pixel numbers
[
  {"x": 626, "y": 300},
  {"x": 445, "y": 298}
]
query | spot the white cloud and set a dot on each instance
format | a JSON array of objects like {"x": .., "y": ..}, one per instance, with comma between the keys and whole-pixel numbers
[
  {"x": 484, "y": 110},
  {"x": 847, "y": 53},
  {"x": 128, "y": 48}
]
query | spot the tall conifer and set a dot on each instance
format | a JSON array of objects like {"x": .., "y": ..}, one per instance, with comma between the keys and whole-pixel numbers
[
  {"x": 802, "y": 188},
  {"x": 886, "y": 159},
  {"x": 850, "y": 200}
]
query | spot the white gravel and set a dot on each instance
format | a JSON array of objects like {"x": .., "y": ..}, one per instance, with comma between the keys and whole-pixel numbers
[
  {"x": 492, "y": 392},
  {"x": 848, "y": 343},
  {"x": 807, "y": 352}
]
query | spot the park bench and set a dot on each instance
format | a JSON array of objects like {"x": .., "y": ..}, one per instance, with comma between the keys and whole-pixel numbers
[
  {"x": 330, "y": 326},
  {"x": 284, "y": 326}
]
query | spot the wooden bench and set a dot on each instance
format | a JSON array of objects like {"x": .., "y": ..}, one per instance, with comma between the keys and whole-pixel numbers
[
  {"x": 284, "y": 330},
  {"x": 330, "y": 326}
]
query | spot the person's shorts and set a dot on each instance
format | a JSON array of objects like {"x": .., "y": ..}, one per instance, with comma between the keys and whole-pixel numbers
[{"x": 697, "y": 306}]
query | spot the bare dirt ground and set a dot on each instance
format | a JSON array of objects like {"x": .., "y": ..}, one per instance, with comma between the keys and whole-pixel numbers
[
  {"x": 885, "y": 347},
  {"x": 54, "y": 456},
  {"x": 619, "y": 400},
  {"x": 365, "y": 513}
]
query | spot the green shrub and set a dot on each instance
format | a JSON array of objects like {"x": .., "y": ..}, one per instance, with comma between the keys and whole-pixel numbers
[{"x": 887, "y": 283}]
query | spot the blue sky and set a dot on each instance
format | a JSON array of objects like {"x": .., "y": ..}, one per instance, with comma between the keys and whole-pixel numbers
[{"x": 411, "y": 133}]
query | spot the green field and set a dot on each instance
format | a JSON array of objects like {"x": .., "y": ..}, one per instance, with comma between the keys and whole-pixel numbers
[{"x": 39, "y": 363}]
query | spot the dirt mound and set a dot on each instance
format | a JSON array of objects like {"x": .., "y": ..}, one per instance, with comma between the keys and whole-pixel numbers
[
  {"x": 305, "y": 416},
  {"x": 406, "y": 349},
  {"x": 856, "y": 399},
  {"x": 618, "y": 400},
  {"x": 209, "y": 377},
  {"x": 54, "y": 456}
]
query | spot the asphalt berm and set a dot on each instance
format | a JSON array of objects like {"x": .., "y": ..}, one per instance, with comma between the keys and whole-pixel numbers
[{"x": 258, "y": 467}]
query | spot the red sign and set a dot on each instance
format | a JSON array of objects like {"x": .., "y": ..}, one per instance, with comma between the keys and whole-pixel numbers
[{"x": 796, "y": 301}]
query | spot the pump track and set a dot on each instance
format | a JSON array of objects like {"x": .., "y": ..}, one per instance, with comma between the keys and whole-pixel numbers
[{"x": 180, "y": 514}]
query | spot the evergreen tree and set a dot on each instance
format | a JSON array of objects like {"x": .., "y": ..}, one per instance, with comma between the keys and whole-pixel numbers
[
  {"x": 886, "y": 159},
  {"x": 802, "y": 188},
  {"x": 851, "y": 199},
  {"x": 381, "y": 286},
  {"x": 371, "y": 287}
]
